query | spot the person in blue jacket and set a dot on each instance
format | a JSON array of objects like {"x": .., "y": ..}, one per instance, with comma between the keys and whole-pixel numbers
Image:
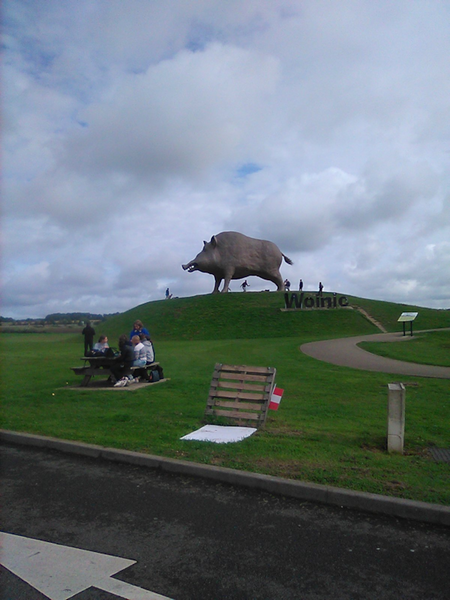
[{"x": 138, "y": 328}]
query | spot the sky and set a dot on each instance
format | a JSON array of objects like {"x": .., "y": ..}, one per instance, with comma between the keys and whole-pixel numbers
[{"x": 133, "y": 131}]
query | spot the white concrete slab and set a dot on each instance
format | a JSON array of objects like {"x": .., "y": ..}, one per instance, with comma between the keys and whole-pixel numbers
[{"x": 220, "y": 434}]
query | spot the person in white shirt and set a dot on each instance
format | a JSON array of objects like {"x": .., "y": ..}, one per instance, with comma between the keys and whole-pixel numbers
[
  {"x": 149, "y": 350},
  {"x": 140, "y": 354},
  {"x": 102, "y": 344}
]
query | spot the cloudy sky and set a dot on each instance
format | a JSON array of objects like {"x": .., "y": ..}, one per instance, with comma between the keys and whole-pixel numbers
[{"x": 135, "y": 129}]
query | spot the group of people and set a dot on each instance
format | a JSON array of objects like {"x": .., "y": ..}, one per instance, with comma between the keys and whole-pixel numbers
[
  {"x": 144, "y": 353},
  {"x": 135, "y": 350},
  {"x": 287, "y": 286},
  {"x": 91, "y": 349},
  {"x": 300, "y": 287}
]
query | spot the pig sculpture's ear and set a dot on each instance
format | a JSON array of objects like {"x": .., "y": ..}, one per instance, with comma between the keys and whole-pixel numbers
[{"x": 213, "y": 241}]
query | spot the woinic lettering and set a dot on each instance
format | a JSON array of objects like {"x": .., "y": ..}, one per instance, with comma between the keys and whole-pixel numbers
[{"x": 300, "y": 301}]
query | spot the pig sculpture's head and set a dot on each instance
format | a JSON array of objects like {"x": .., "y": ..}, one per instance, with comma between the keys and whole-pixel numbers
[{"x": 205, "y": 260}]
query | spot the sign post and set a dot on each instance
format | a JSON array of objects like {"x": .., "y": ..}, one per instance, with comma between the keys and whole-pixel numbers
[
  {"x": 396, "y": 417},
  {"x": 407, "y": 317}
]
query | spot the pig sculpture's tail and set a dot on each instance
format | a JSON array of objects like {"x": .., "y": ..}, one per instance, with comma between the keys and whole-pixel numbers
[{"x": 287, "y": 259}]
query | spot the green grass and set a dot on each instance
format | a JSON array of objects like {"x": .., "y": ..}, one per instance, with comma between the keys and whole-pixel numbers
[
  {"x": 387, "y": 313},
  {"x": 235, "y": 316},
  {"x": 430, "y": 348},
  {"x": 256, "y": 315},
  {"x": 330, "y": 428}
]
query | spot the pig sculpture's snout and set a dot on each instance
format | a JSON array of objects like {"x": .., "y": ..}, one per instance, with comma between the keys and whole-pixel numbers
[{"x": 190, "y": 266}]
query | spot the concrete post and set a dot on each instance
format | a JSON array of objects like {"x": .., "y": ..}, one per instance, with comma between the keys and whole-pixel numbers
[{"x": 396, "y": 417}]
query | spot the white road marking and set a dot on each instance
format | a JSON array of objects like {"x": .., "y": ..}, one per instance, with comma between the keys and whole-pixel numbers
[
  {"x": 128, "y": 591},
  {"x": 60, "y": 572}
]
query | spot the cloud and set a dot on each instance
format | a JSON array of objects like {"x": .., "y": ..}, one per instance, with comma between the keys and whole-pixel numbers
[
  {"x": 180, "y": 118},
  {"x": 307, "y": 212},
  {"x": 133, "y": 133}
]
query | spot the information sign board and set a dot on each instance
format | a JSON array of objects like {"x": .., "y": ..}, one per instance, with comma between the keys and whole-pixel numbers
[{"x": 407, "y": 317}]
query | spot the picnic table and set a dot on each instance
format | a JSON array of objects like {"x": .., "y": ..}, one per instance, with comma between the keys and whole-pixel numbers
[{"x": 101, "y": 366}]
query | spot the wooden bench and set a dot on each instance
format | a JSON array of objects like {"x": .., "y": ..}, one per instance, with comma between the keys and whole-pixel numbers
[
  {"x": 102, "y": 366},
  {"x": 155, "y": 366},
  {"x": 241, "y": 394}
]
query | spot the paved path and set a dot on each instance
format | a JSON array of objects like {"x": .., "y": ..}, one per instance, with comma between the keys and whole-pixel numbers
[{"x": 346, "y": 353}]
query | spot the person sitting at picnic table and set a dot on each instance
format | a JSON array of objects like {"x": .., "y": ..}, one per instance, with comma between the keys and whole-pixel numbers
[
  {"x": 140, "y": 355},
  {"x": 149, "y": 350},
  {"x": 101, "y": 345},
  {"x": 121, "y": 368},
  {"x": 138, "y": 328}
]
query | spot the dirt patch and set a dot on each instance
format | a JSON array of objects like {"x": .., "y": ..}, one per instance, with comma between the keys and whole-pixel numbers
[
  {"x": 394, "y": 486},
  {"x": 103, "y": 385},
  {"x": 285, "y": 432},
  {"x": 375, "y": 449},
  {"x": 290, "y": 469}
]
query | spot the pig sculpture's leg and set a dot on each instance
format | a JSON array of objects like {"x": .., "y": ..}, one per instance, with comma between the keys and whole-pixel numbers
[
  {"x": 228, "y": 277},
  {"x": 217, "y": 284},
  {"x": 276, "y": 279}
]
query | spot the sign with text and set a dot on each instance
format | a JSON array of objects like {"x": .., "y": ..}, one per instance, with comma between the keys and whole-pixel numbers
[
  {"x": 407, "y": 316},
  {"x": 300, "y": 301}
]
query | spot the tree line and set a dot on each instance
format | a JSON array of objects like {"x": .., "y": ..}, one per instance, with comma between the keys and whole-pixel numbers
[{"x": 77, "y": 318}]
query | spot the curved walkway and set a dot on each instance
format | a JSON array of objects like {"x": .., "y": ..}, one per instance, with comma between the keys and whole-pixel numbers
[{"x": 346, "y": 353}]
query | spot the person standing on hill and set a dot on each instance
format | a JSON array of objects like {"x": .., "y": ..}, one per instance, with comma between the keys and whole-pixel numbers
[{"x": 88, "y": 333}]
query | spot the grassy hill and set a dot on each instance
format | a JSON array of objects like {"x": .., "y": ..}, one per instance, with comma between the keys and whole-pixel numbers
[
  {"x": 331, "y": 425},
  {"x": 259, "y": 315}
]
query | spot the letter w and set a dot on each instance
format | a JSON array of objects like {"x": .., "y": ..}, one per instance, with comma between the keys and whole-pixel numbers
[{"x": 288, "y": 302}]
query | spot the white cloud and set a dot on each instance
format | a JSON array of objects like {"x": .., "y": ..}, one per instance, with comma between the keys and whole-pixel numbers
[
  {"x": 132, "y": 133},
  {"x": 180, "y": 118}
]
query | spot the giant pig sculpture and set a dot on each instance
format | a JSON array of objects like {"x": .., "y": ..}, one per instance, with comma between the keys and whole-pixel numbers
[{"x": 232, "y": 255}]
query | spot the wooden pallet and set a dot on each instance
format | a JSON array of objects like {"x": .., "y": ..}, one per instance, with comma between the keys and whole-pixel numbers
[{"x": 241, "y": 394}]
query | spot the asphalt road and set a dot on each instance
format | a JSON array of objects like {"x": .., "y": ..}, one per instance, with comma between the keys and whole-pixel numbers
[
  {"x": 197, "y": 539},
  {"x": 345, "y": 352}
]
